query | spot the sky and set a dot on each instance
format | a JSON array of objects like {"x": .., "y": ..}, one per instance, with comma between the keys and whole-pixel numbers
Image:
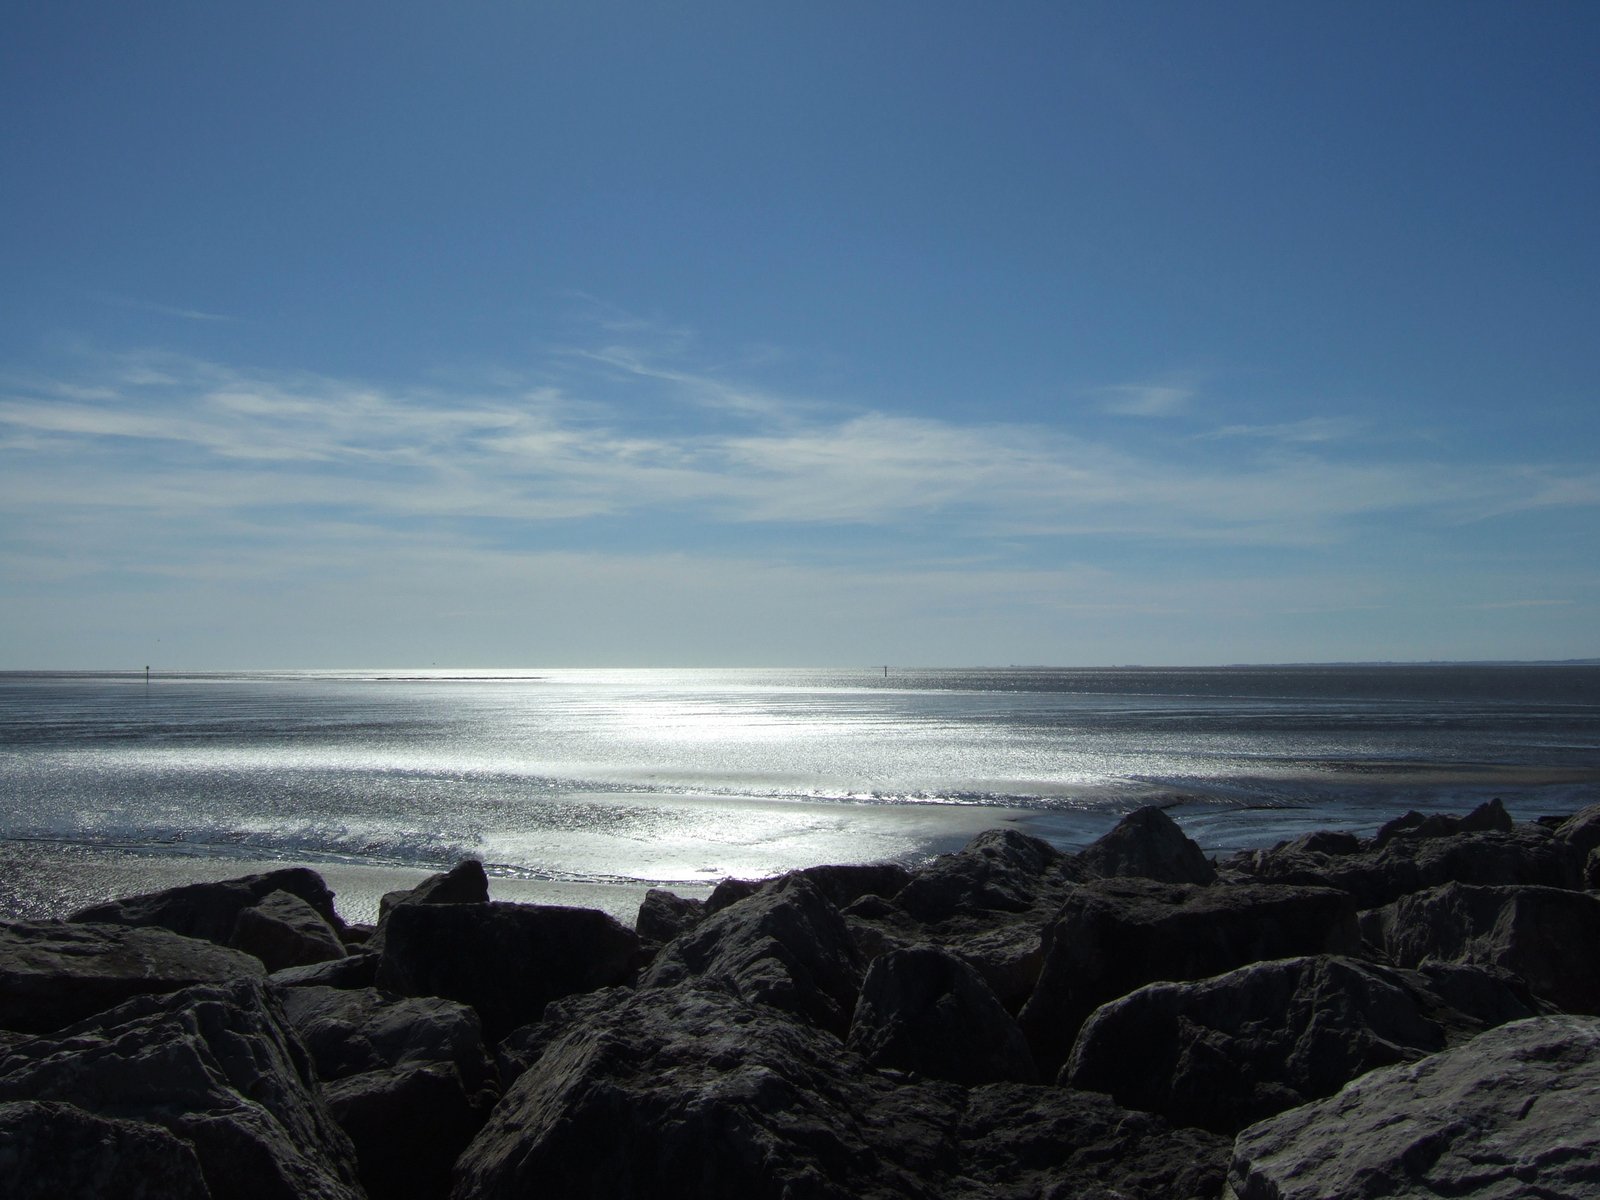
[{"x": 730, "y": 334}]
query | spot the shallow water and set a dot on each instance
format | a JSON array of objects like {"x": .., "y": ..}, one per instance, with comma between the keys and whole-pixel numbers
[{"x": 686, "y": 776}]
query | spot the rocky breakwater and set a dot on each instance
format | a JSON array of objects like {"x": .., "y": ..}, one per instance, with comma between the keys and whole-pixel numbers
[{"x": 1414, "y": 1014}]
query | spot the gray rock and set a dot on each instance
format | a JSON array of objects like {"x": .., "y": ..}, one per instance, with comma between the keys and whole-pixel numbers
[
  {"x": 999, "y": 871},
  {"x": 1224, "y": 1052},
  {"x": 1114, "y": 935},
  {"x": 1486, "y": 818},
  {"x": 988, "y": 904},
  {"x": 1048, "y": 1143},
  {"x": 689, "y": 1093},
  {"x": 407, "y": 1078},
  {"x": 464, "y": 883},
  {"x": 786, "y": 946},
  {"x": 1549, "y": 937},
  {"x": 1528, "y": 854},
  {"x": 506, "y": 960},
  {"x": 1149, "y": 844},
  {"x": 1514, "y": 1113},
  {"x": 55, "y": 1151},
  {"x": 358, "y": 969},
  {"x": 925, "y": 1010},
  {"x": 217, "y": 1067},
  {"x": 211, "y": 910},
  {"x": 664, "y": 915},
  {"x": 282, "y": 930},
  {"x": 53, "y": 973}
]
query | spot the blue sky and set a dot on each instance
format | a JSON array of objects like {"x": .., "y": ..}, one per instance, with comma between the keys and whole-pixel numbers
[{"x": 762, "y": 334}]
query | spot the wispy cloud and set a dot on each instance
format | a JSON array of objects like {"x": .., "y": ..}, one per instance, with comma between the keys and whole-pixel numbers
[
  {"x": 1144, "y": 400},
  {"x": 162, "y": 310},
  {"x": 1307, "y": 431},
  {"x": 179, "y": 438}
]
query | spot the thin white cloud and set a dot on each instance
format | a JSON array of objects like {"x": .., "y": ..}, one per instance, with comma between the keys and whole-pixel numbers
[
  {"x": 164, "y": 310},
  {"x": 1144, "y": 400},
  {"x": 1308, "y": 431},
  {"x": 172, "y": 438}
]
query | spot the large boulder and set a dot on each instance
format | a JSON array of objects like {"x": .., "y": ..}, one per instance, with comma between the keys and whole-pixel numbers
[
  {"x": 55, "y": 1151},
  {"x": 53, "y": 973},
  {"x": 464, "y": 883},
  {"x": 988, "y": 904},
  {"x": 1149, "y": 844},
  {"x": 786, "y": 946},
  {"x": 282, "y": 930},
  {"x": 1490, "y": 817},
  {"x": 211, "y": 910},
  {"x": 925, "y": 1010},
  {"x": 664, "y": 915},
  {"x": 1222, "y": 1053},
  {"x": 1375, "y": 876},
  {"x": 218, "y": 1068},
  {"x": 999, "y": 871},
  {"x": 1114, "y": 935},
  {"x": 408, "y": 1079},
  {"x": 1549, "y": 937},
  {"x": 1513, "y": 1113},
  {"x": 506, "y": 960},
  {"x": 690, "y": 1093}
]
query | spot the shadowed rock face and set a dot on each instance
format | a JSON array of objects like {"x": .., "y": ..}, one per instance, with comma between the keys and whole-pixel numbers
[
  {"x": 215, "y": 1066},
  {"x": 1148, "y": 844},
  {"x": 51, "y": 1151},
  {"x": 1115, "y": 935},
  {"x": 211, "y": 910},
  {"x": 408, "y": 1079},
  {"x": 1413, "y": 860},
  {"x": 1224, "y": 1052},
  {"x": 925, "y": 1010},
  {"x": 1549, "y": 937},
  {"x": 1515, "y": 1112},
  {"x": 694, "y": 1093},
  {"x": 282, "y": 930},
  {"x": 785, "y": 946},
  {"x": 53, "y": 973},
  {"x": 506, "y": 960}
]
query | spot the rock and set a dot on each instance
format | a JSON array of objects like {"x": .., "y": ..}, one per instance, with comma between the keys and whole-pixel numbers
[
  {"x": 1581, "y": 832},
  {"x": 786, "y": 947},
  {"x": 55, "y": 1151},
  {"x": 210, "y": 910},
  {"x": 53, "y": 973},
  {"x": 1048, "y": 1143},
  {"x": 506, "y": 960},
  {"x": 844, "y": 885},
  {"x": 1528, "y": 854},
  {"x": 464, "y": 883},
  {"x": 731, "y": 891},
  {"x": 1225, "y": 1052},
  {"x": 1549, "y": 937},
  {"x": 282, "y": 930},
  {"x": 925, "y": 1010},
  {"x": 1486, "y": 818},
  {"x": 664, "y": 915},
  {"x": 689, "y": 1093},
  {"x": 1000, "y": 870},
  {"x": 1513, "y": 1113},
  {"x": 1147, "y": 843},
  {"x": 218, "y": 1068},
  {"x": 1114, "y": 935},
  {"x": 358, "y": 969},
  {"x": 408, "y": 1079},
  {"x": 987, "y": 904}
]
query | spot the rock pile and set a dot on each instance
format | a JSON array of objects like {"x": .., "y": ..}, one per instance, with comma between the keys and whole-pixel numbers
[{"x": 1415, "y": 1014}]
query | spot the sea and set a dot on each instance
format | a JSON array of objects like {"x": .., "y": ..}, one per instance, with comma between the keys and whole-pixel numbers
[{"x": 683, "y": 777}]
